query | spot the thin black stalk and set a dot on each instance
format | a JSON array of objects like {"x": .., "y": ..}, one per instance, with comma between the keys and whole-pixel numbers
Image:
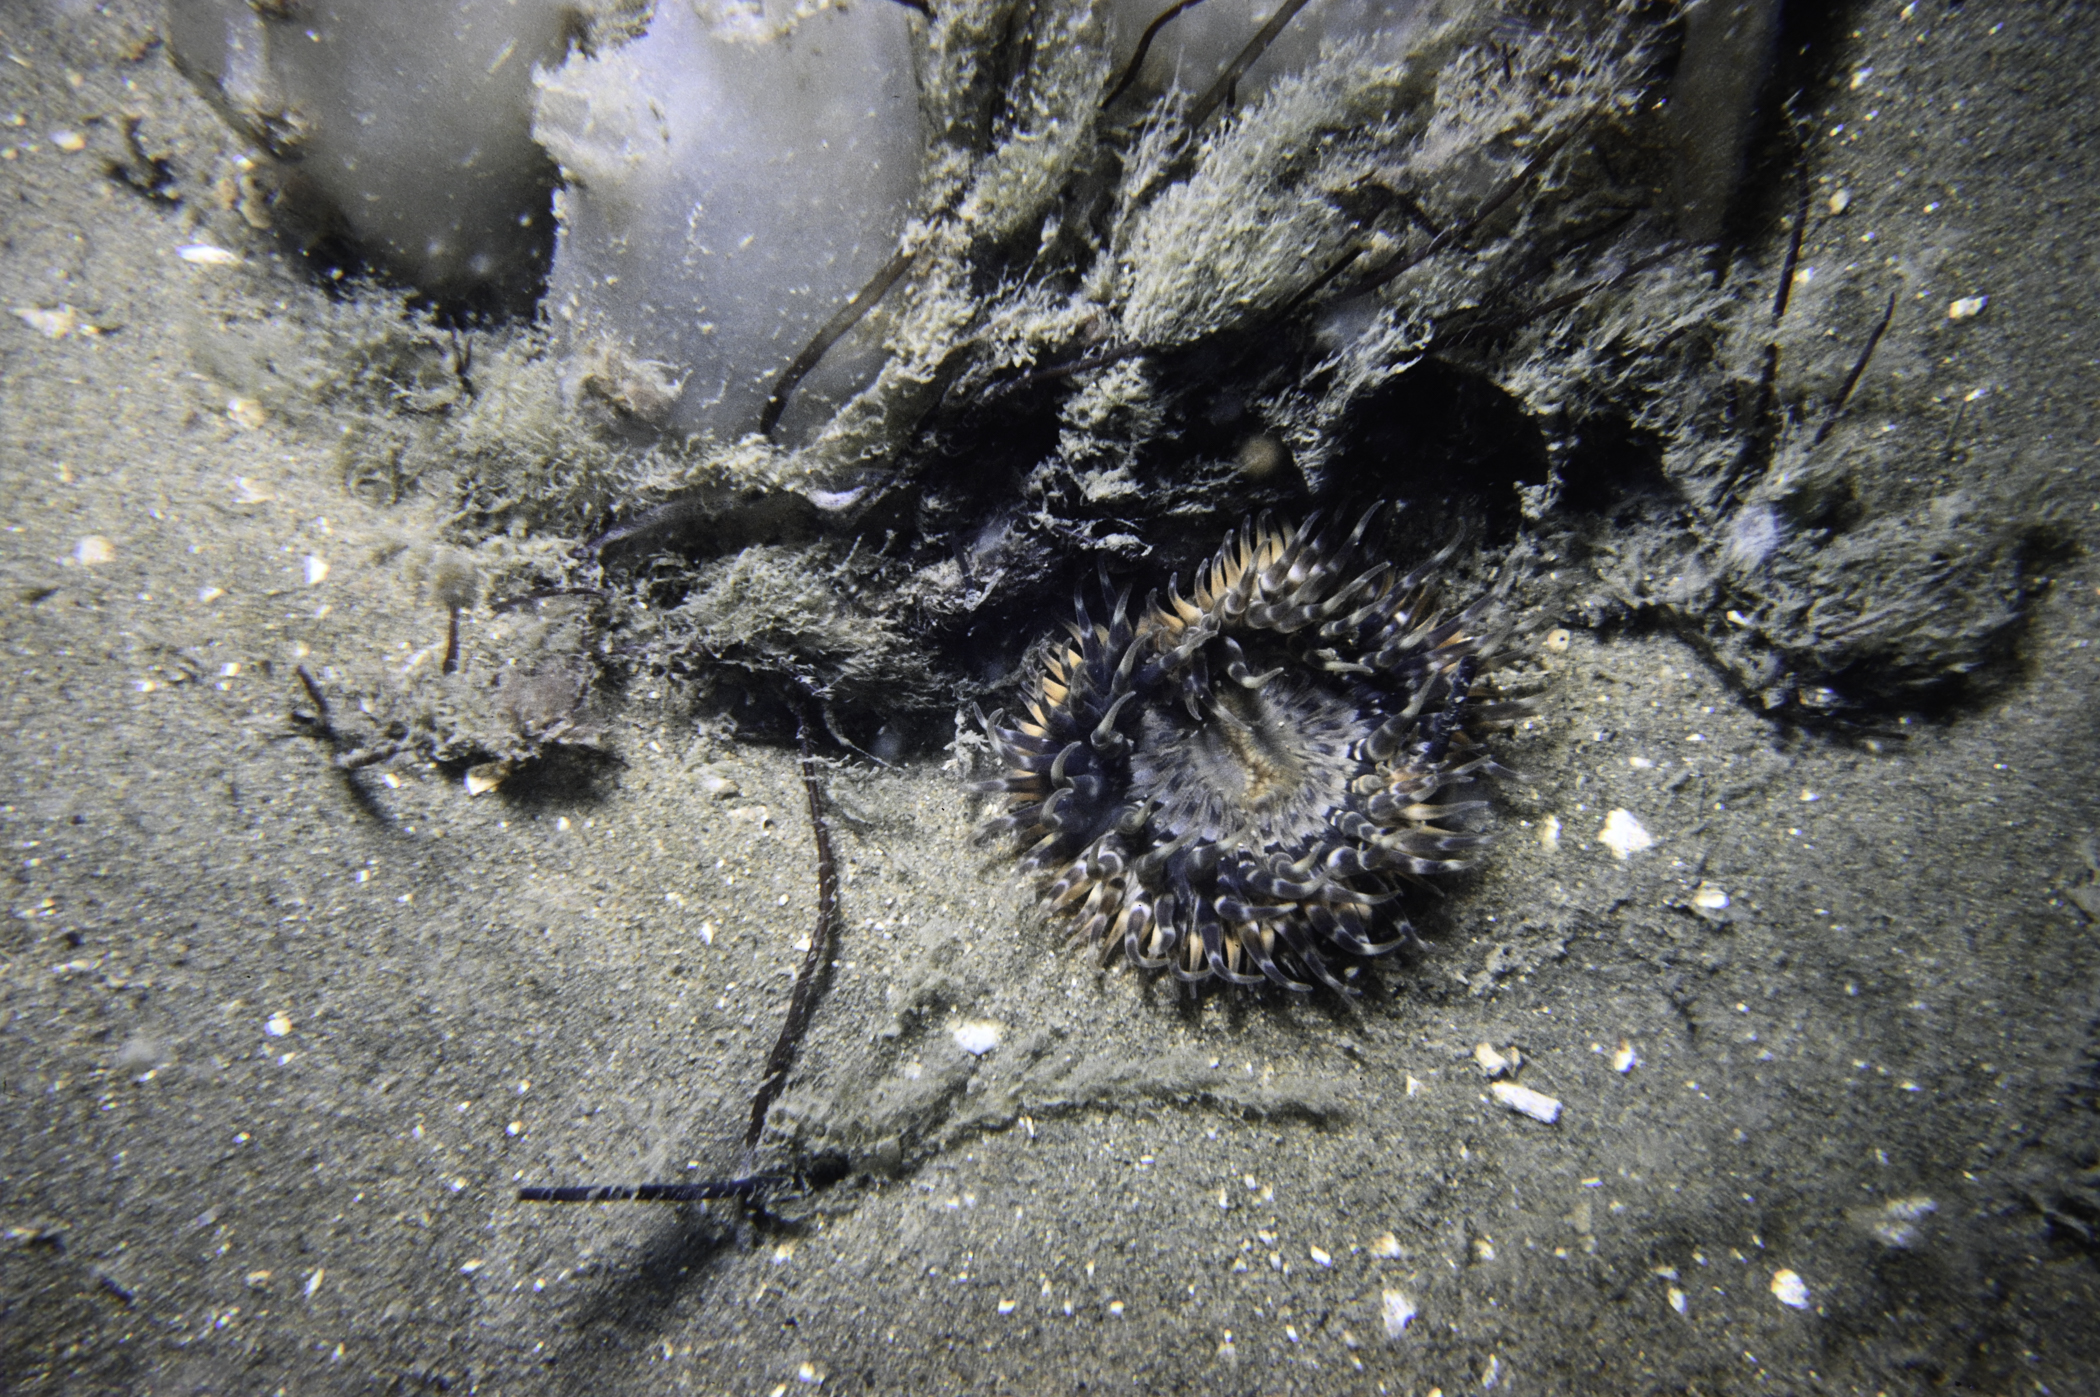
[
  {"x": 834, "y": 330},
  {"x": 1144, "y": 46},
  {"x": 802, "y": 1003},
  {"x": 1844, "y": 395},
  {"x": 802, "y": 1000},
  {"x": 1228, "y": 81},
  {"x": 1793, "y": 249}
]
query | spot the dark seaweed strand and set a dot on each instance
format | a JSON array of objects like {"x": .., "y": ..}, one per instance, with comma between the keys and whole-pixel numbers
[
  {"x": 801, "y": 1005},
  {"x": 1144, "y": 46},
  {"x": 802, "y": 1001},
  {"x": 1793, "y": 249},
  {"x": 1480, "y": 215},
  {"x": 834, "y": 330},
  {"x": 1844, "y": 393},
  {"x": 651, "y": 1193},
  {"x": 1229, "y": 80}
]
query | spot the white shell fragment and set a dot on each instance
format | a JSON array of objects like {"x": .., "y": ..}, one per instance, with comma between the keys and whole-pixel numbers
[
  {"x": 93, "y": 551},
  {"x": 278, "y": 1024},
  {"x": 1397, "y": 1310},
  {"x": 1790, "y": 1290},
  {"x": 1895, "y": 1223},
  {"x": 977, "y": 1036},
  {"x": 1625, "y": 1057},
  {"x": 52, "y": 324},
  {"x": 1524, "y": 1101},
  {"x": 485, "y": 777},
  {"x": 1710, "y": 901},
  {"x": 1494, "y": 1063},
  {"x": 206, "y": 255},
  {"x": 1386, "y": 1245},
  {"x": 1967, "y": 308},
  {"x": 316, "y": 569},
  {"x": 1624, "y": 835}
]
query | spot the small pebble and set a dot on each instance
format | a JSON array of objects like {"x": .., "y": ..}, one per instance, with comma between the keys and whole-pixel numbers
[
  {"x": 1967, "y": 308},
  {"x": 977, "y": 1036},
  {"x": 69, "y": 141},
  {"x": 1624, "y": 1058}
]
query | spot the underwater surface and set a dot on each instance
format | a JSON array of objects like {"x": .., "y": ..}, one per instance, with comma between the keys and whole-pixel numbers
[{"x": 1366, "y": 698}]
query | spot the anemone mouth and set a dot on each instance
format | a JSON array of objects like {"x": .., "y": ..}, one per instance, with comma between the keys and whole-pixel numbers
[
  {"x": 1257, "y": 770},
  {"x": 1239, "y": 785}
]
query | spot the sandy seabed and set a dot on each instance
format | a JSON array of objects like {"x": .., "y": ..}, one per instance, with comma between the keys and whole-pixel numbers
[{"x": 277, "y": 1044}]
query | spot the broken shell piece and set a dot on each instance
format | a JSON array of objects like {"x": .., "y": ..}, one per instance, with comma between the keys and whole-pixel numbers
[
  {"x": 1895, "y": 1223},
  {"x": 1967, "y": 308},
  {"x": 1497, "y": 1064},
  {"x": 1526, "y": 1102},
  {"x": 1710, "y": 901},
  {"x": 713, "y": 782},
  {"x": 1624, "y": 1058},
  {"x": 1386, "y": 1245},
  {"x": 1397, "y": 1310},
  {"x": 1624, "y": 835},
  {"x": 93, "y": 551},
  {"x": 486, "y": 777},
  {"x": 1790, "y": 1290},
  {"x": 53, "y": 324},
  {"x": 205, "y": 255},
  {"x": 977, "y": 1036},
  {"x": 1549, "y": 834},
  {"x": 245, "y": 413}
]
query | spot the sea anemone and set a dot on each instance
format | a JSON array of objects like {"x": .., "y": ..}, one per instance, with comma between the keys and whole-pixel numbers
[{"x": 1238, "y": 785}]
